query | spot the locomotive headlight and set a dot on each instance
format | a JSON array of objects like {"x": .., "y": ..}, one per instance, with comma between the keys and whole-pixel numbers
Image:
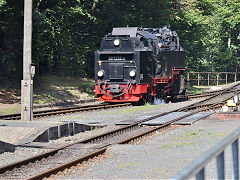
[
  {"x": 132, "y": 73},
  {"x": 116, "y": 42},
  {"x": 100, "y": 73}
]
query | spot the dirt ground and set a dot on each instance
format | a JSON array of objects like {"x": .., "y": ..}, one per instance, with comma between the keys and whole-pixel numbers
[{"x": 47, "y": 90}]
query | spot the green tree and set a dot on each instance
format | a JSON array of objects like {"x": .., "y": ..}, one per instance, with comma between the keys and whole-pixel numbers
[
  {"x": 62, "y": 37},
  {"x": 11, "y": 29},
  {"x": 210, "y": 33},
  {"x": 66, "y": 33}
]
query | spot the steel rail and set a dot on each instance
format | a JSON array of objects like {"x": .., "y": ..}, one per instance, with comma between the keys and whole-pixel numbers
[
  {"x": 50, "y": 112},
  {"x": 55, "y": 170},
  {"x": 64, "y": 110},
  {"x": 67, "y": 165},
  {"x": 199, "y": 95},
  {"x": 52, "y": 152},
  {"x": 209, "y": 93},
  {"x": 44, "y": 155}
]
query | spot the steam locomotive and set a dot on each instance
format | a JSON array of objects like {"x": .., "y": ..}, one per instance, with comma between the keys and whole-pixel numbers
[{"x": 136, "y": 64}]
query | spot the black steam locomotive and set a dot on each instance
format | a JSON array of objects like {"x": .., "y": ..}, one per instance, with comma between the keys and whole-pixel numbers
[{"x": 136, "y": 64}]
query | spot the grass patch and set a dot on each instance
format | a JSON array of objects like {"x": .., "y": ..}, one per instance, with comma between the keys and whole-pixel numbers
[
  {"x": 157, "y": 172},
  {"x": 177, "y": 144},
  {"x": 221, "y": 134},
  {"x": 14, "y": 108},
  {"x": 72, "y": 118},
  {"x": 201, "y": 129},
  {"x": 191, "y": 133},
  {"x": 194, "y": 134},
  {"x": 136, "y": 109},
  {"x": 193, "y": 89},
  {"x": 126, "y": 165},
  {"x": 199, "y": 132}
]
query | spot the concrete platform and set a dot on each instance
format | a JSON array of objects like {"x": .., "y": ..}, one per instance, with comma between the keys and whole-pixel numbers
[
  {"x": 166, "y": 118},
  {"x": 6, "y": 147},
  {"x": 23, "y": 132},
  {"x": 192, "y": 119}
]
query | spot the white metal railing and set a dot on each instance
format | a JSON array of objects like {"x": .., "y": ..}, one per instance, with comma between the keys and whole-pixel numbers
[{"x": 197, "y": 167}]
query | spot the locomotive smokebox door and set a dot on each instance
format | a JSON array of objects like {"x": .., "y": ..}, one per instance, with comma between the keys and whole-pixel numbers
[
  {"x": 116, "y": 70},
  {"x": 115, "y": 88}
]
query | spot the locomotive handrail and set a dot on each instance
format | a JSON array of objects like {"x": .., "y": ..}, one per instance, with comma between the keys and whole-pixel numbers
[{"x": 197, "y": 167}]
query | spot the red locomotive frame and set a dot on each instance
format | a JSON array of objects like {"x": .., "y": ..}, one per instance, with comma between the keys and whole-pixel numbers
[{"x": 140, "y": 91}]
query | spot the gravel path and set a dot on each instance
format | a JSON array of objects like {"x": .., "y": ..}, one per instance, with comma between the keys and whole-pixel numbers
[{"x": 161, "y": 156}]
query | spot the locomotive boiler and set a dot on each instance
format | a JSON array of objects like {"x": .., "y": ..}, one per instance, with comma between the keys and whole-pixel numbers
[{"x": 136, "y": 64}]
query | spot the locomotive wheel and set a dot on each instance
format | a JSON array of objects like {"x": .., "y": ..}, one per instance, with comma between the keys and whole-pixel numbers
[
  {"x": 144, "y": 98},
  {"x": 159, "y": 96},
  {"x": 184, "y": 92},
  {"x": 165, "y": 98},
  {"x": 174, "y": 97},
  {"x": 150, "y": 98}
]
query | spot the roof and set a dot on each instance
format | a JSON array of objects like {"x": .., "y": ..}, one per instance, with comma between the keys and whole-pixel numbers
[{"x": 131, "y": 31}]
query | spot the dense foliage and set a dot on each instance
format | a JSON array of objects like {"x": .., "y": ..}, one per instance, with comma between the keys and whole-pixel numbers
[{"x": 66, "y": 33}]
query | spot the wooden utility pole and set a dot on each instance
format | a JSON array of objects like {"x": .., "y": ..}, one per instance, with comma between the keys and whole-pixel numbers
[{"x": 28, "y": 69}]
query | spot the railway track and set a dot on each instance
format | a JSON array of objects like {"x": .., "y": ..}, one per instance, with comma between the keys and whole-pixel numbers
[
  {"x": 47, "y": 164},
  {"x": 204, "y": 94},
  {"x": 51, "y": 112}
]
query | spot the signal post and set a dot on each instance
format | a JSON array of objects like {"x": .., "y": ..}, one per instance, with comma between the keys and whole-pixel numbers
[{"x": 28, "y": 69}]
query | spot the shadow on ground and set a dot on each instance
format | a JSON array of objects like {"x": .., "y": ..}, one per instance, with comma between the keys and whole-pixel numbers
[{"x": 50, "y": 89}]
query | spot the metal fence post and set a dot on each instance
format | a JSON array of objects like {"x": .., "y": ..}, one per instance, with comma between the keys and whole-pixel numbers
[
  {"x": 198, "y": 79},
  {"x": 235, "y": 160},
  {"x": 226, "y": 78},
  {"x": 217, "y": 78},
  {"x": 201, "y": 174},
  {"x": 208, "y": 80},
  {"x": 220, "y": 166}
]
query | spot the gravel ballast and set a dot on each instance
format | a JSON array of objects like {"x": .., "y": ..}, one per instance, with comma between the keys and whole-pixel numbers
[
  {"x": 106, "y": 117},
  {"x": 162, "y": 156}
]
